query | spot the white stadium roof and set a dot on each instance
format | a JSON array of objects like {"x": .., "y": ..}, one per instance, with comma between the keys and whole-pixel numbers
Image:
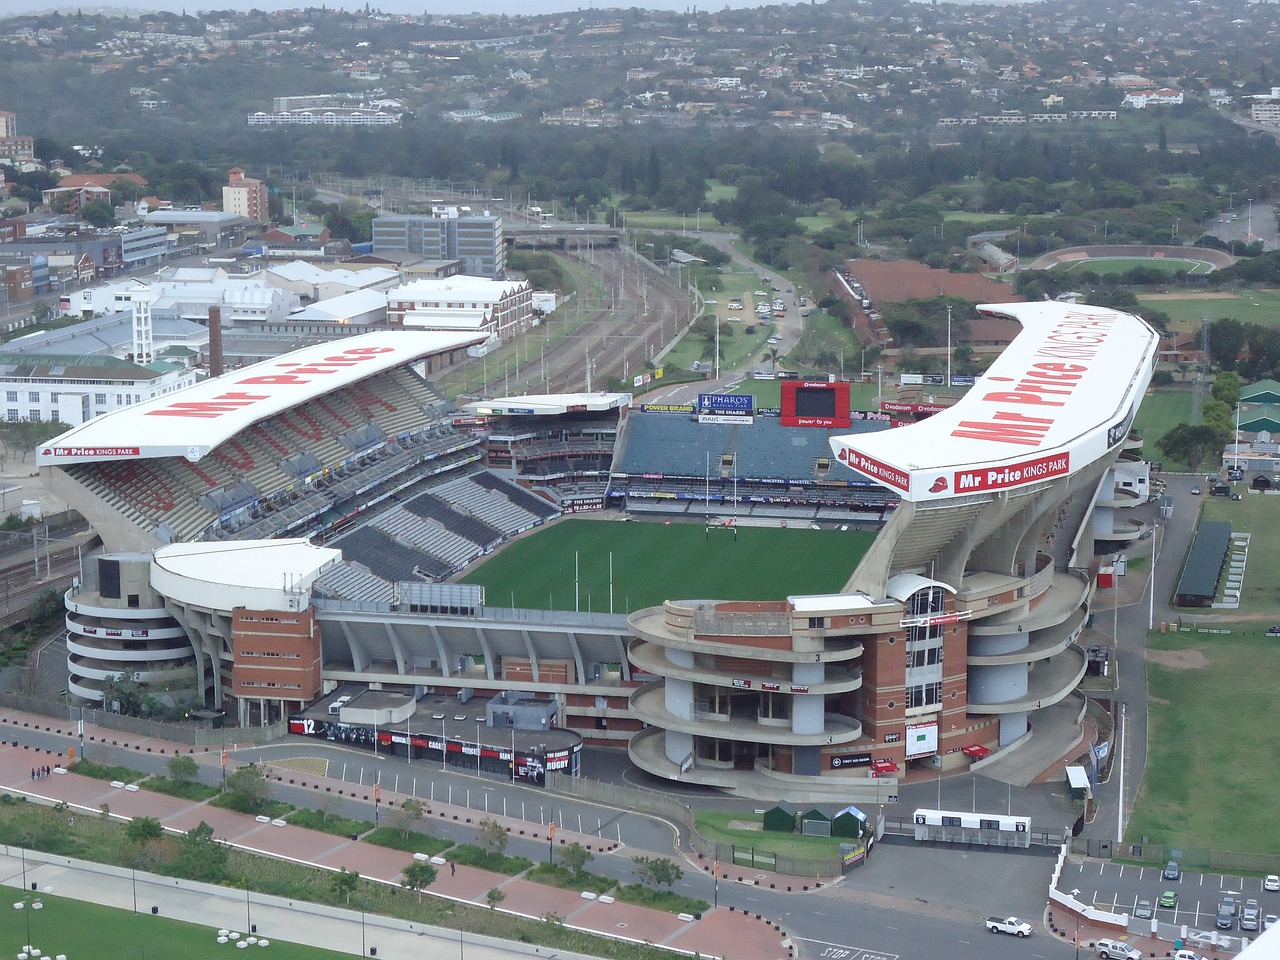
[
  {"x": 547, "y": 405},
  {"x": 257, "y": 574},
  {"x": 192, "y": 423},
  {"x": 1057, "y": 399}
]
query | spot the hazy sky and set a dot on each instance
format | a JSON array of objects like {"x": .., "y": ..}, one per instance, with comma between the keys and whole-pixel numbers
[{"x": 388, "y": 6}]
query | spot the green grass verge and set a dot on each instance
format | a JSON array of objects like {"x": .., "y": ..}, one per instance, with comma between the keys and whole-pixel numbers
[
  {"x": 653, "y": 562},
  {"x": 103, "y": 840},
  {"x": 664, "y": 900},
  {"x": 415, "y": 842},
  {"x": 1161, "y": 411},
  {"x": 472, "y": 856},
  {"x": 715, "y": 826},
  {"x": 183, "y": 789},
  {"x": 555, "y": 876},
  {"x": 1210, "y": 773},
  {"x": 77, "y": 929},
  {"x": 329, "y": 823}
]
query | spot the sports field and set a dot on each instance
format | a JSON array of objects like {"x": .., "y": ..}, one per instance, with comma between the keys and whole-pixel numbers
[
  {"x": 1161, "y": 411},
  {"x": 1109, "y": 265},
  {"x": 1211, "y": 771},
  {"x": 87, "y": 930},
  {"x": 1185, "y": 310},
  {"x": 1210, "y": 779},
  {"x": 653, "y": 562}
]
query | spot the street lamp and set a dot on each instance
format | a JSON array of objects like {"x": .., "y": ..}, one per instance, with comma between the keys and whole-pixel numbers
[{"x": 479, "y": 723}]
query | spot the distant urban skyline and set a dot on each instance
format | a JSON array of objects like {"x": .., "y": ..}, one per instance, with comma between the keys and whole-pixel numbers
[{"x": 433, "y": 7}]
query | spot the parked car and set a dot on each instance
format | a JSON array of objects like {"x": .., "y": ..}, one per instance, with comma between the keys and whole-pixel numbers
[
  {"x": 1144, "y": 910},
  {"x": 1207, "y": 938},
  {"x": 1108, "y": 948},
  {"x": 1269, "y": 921},
  {"x": 1195, "y": 491},
  {"x": 1169, "y": 898},
  {"x": 1226, "y": 920},
  {"x": 1250, "y": 915},
  {"x": 1172, "y": 871},
  {"x": 1272, "y": 882},
  {"x": 1230, "y": 904},
  {"x": 1187, "y": 955}
]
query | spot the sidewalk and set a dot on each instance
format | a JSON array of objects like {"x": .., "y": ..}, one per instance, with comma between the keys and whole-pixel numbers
[{"x": 753, "y": 938}]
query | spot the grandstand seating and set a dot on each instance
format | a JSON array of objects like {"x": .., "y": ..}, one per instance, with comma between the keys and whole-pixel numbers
[
  {"x": 354, "y": 581},
  {"x": 518, "y": 495}
]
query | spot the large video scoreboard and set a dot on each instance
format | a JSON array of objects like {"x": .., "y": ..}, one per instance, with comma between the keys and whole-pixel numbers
[{"x": 815, "y": 403}]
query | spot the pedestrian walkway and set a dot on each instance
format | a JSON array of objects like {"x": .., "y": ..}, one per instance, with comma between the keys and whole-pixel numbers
[{"x": 753, "y": 937}]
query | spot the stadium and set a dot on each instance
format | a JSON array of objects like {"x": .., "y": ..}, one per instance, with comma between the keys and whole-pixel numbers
[{"x": 280, "y": 539}]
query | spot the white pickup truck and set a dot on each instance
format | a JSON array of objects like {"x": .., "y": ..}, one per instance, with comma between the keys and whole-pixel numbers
[{"x": 1010, "y": 925}]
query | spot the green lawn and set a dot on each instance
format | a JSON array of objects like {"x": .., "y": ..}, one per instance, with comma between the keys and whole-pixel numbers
[
  {"x": 714, "y": 826},
  {"x": 83, "y": 930},
  {"x": 1259, "y": 515},
  {"x": 1161, "y": 411},
  {"x": 1210, "y": 778},
  {"x": 1248, "y": 306},
  {"x": 653, "y": 562},
  {"x": 720, "y": 191}
]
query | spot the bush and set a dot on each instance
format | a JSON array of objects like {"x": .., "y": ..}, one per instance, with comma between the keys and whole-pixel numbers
[
  {"x": 660, "y": 899},
  {"x": 100, "y": 771},
  {"x": 554, "y": 875},
  {"x": 184, "y": 789},
  {"x": 473, "y": 856},
  {"x": 415, "y": 842},
  {"x": 329, "y": 823}
]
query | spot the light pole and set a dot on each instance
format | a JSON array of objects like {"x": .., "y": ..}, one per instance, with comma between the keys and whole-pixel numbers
[
  {"x": 479, "y": 722},
  {"x": 513, "y": 755},
  {"x": 1250, "y": 237},
  {"x": 444, "y": 746}
]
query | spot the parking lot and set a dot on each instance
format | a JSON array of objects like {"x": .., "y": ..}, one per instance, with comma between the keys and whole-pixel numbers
[{"x": 1119, "y": 888}]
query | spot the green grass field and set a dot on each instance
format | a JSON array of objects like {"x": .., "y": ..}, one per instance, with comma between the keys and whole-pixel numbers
[
  {"x": 1161, "y": 411},
  {"x": 1109, "y": 265},
  {"x": 653, "y": 562},
  {"x": 1248, "y": 306},
  {"x": 1259, "y": 515},
  {"x": 1210, "y": 777},
  {"x": 84, "y": 930}
]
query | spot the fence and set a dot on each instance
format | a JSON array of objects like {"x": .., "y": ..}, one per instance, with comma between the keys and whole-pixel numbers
[
  {"x": 661, "y": 805},
  {"x": 1196, "y": 859},
  {"x": 186, "y": 734}
]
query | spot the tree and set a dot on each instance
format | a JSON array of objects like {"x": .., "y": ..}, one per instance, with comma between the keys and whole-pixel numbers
[
  {"x": 410, "y": 812},
  {"x": 182, "y": 769},
  {"x": 344, "y": 883},
  {"x": 574, "y": 857},
  {"x": 142, "y": 830},
  {"x": 493, "y": 836},
  {"x": 774, "y": 355},
  {"x": 657, "y": 871},
  {"x": 98, "y": 213},
  {"x": 494, "y": 897},
  {"x": 418, "y": 875},
  {"x": 248, "y": 786},
  {"x": 1190, "y": 445},
  {"x": 1226, "y": 387},
  {"x": 200, "y": 856}
]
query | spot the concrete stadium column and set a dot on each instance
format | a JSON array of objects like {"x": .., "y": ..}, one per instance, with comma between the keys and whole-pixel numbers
[
  {"x": 808, "y": 710},
  {"x": 997, "y": 684},
  {"x": 1013, "y": 727},
  {"x": 990, "y": 646},
  {"x": 678, "y": 698},
  {"x": 678, "y": 746}
]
